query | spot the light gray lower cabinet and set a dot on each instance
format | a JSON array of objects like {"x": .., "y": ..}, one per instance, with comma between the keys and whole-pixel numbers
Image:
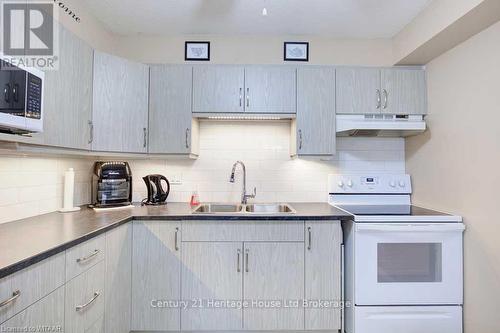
[
  {"x": 29, "y": 285},
  {"x": 211, "y": 272},
  {"x": 47, "y": 313},
  {"x": 314, "y": 127},
  {"x": 274, "y": 272},
  {"x": 323, "y": 275},
  {"x": 84, "y": 301},
  {"x": 156, "y": 274},
  {"x": 172, "y": 129},
  {"x": 68, "y": 95},
  {"x": 120, "y": 105},
  {"x": 118, "y": 279},
  {"x": 270, "y": 89},
  {"x": 218, "y": 89},
  {"x": 404, "y": 91}
]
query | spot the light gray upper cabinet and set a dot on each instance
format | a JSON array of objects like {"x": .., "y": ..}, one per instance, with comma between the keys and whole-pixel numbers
[
  {"x": 404, "y": 91},
  {"x": 314, "y": 126},
  {"x": 68, "y": 95},
  {"x": 120, "y": 104},
  {"x": 358, "y": 90},
  {"x": 274, "y": 271},
  {"x": 118, "y": 279},
  {"x": 322, "y": 274},
  {"x": 374, "y": 90},
  {"x": 156, "y": 274},
  {"x": 270, "y": 89},
  {"x": 170, "y": 119},
  {"x": 211, "y": 271},
  {"x": 218, "y": 89},
  {"x": 236, "y": 89}
]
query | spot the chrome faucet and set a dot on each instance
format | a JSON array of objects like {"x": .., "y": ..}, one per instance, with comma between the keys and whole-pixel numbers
[{"x": 244, "y": 195}]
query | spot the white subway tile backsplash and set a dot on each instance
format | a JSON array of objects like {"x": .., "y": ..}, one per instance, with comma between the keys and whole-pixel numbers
[
  {"x": 34, "y": 185},
  {"x": 264, "y": 148}
]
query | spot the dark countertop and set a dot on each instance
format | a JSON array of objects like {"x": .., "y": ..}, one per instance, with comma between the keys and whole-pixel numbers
[{"x": 28, "y": 241}]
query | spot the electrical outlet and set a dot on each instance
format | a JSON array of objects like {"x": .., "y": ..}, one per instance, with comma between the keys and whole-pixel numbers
[{"x": 175, "y": 181}]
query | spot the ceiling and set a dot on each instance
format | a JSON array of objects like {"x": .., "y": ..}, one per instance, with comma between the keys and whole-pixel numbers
[{"x": 333, "y": 18}]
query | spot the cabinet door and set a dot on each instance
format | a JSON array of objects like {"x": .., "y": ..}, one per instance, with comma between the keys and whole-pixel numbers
[
  {"x": 84, "y": 301},
  {"x": 47, "y": 312},
  {"x": 68, "y": 95},
  {"x": 218, "y": 89},
  {"x": 315, "y": 122},
  {"x": 170, "y": 109},
  {"x": 358, "y": 90},
  {"x": 118, "y": 279},
  {"x": 156, "y": 276},
  {"x": 404, "y": 91},
  {"x": 274, "y": 272},
  {"x": 270, "y": 89},
  {"x": 323, "y": 275},
  {"x": 120, "y": 105},
  {"x": 211, "y": 272}
]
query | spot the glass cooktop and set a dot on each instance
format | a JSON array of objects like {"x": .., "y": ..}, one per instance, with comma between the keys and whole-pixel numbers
[{"x": 406, "y": 210}]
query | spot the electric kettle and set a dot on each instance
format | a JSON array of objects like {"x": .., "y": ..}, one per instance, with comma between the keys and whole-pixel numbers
[{"x": 157, "y": 194}]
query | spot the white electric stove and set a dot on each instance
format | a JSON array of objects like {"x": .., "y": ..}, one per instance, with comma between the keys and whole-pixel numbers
[{"x": 403, "y": 264}]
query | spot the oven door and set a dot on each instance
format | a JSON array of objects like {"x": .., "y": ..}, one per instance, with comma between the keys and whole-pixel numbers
[{"x": 408, "y": 264}]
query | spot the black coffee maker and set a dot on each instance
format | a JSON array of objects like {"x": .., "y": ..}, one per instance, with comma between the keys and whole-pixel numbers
[{"x": 157, "y": 194}]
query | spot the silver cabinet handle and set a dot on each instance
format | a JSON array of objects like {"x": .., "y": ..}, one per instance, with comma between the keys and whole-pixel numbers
[
  {"x": 14, "y": 296},
  {"x": 386, "y": 96},
  {"x": 176, "y": 239},
  {"x": 379, "y": 99},
  {"x": 238, "y": 253},
  {"x": 241, "y": 95},
  {"x": 83, "y": 306},
  {"x": 145, "y": 144},
  {"x": 87, "y": 258},
  {"x": 246, "y": 260},
  {"x": 248, "y": 97},
  {"x": 91, "y": 131},
  {"x": 187, "y": 137},
  {"x": 309, "y": 238},
  {"x": 300, "y": 139}
]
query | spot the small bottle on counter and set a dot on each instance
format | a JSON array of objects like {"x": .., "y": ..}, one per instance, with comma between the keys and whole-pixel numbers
[{"x": 195, "y": 199}]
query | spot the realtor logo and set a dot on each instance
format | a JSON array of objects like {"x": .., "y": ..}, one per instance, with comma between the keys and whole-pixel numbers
[{"x": 29, "y": 33}]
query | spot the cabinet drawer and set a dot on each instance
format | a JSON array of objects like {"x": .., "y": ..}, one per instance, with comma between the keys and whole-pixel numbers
[
  {"x": 48, "y": 312},
  {"x": 31, "y": 284},
  {"x": 83, "y": 256},
  {"x": 84, "y": 304},
  {"x": 227, "y": 230}
]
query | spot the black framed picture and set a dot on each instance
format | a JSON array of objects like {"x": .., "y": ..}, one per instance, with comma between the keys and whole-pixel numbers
[
  {"x": 197, "y": 51},
  {"x": 296, "y": 51}
]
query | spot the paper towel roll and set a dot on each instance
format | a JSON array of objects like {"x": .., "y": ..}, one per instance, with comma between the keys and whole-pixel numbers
[{"x": 69, "y": 191}]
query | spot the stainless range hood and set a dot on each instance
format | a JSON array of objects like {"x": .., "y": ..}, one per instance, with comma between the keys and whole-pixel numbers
[{"x": 380, "y": 125}]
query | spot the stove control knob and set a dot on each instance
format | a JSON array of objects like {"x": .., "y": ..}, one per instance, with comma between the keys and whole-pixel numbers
[
  {"x": 340, "y": 183},
  {"x": 392, "y": 183},
  {"x": 349, "y": 183},
  {"x": 402, "y": 183}
]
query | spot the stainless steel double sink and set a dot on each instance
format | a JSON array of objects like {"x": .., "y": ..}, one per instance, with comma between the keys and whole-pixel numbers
[{"x": 265, "y": 209}]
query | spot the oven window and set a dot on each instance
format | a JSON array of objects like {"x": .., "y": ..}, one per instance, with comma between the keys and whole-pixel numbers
[{"x": 409, "y": 262}]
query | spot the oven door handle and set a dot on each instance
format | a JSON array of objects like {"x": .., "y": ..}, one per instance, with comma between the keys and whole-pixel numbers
[{"x": 410, "y": 227}]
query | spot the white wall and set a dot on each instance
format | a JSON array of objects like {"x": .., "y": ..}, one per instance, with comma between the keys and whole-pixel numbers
[
  {"x": 248, "y": 49},
  {"x": 456, "y": 164}
]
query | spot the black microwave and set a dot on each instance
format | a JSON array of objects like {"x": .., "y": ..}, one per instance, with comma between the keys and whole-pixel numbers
[{"x": 21, "y": 98}]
